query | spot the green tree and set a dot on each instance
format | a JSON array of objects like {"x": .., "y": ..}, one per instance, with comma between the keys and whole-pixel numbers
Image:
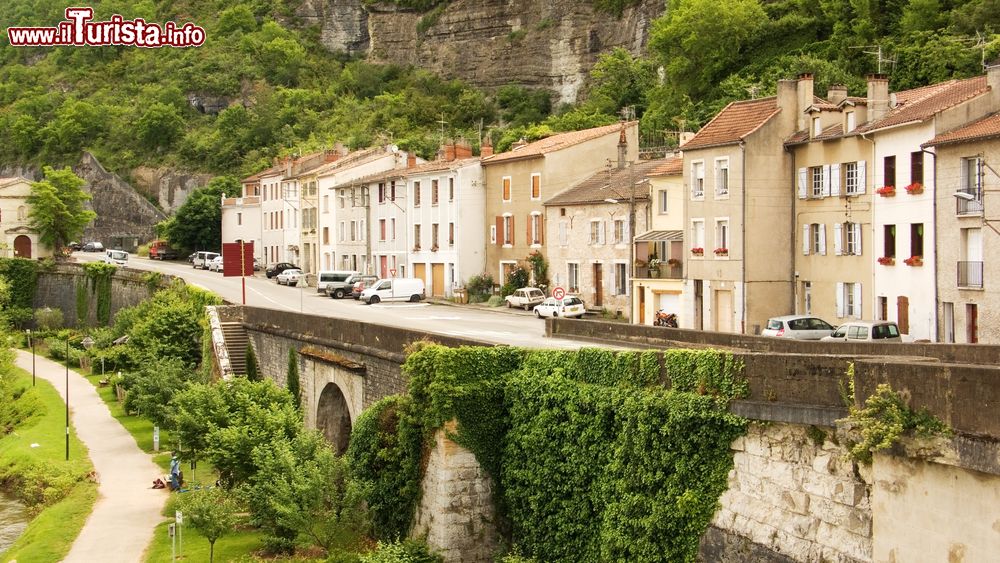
[
  {"x": 211, "y": 512},
  {"x": 293, "y": 377},
  {"x": 253, "y": 369},
  {"x": 159, "y": 126},
  {"x": 197, "y": 225},
  {"x": 619, "y": 80},
  {"x": 151, "y": 388},
  {"x": 57, "y": 209}
]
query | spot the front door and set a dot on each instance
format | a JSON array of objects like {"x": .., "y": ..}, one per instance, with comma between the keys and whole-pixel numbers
[
  {"x": 420, "y": 271},
  {"x": 437, "y": 280},
  {"x": 641, "y": 296},
  {"x": 699, "y": 303},
  {"x": 903, "y": 314},
  {"x": 598, "y": 285},
  {"x": 971, "y": 323},
  {"x": 22, "y": 247},
  {"x": 723, "y": 311},
  {"x": 383, "y": 266}
]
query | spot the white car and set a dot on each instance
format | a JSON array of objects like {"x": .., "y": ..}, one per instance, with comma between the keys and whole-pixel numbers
[
  {"x": 798, "y": 327},
  {"x": 289, "y": 277},
  {"x": 569, "y": 306},
  {"x": 866, "y": 331},
  {"x": 116, "y": 257},
  {"x": 525, "y": 298},
  {"x": 215, "y": 265}
]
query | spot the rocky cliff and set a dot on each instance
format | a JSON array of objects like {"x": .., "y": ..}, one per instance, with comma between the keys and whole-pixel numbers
[
  {"x": 122, "y": 213},
  {"x": 488, "y": 43}
]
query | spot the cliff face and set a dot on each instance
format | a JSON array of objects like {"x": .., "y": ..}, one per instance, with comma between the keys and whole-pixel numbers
[{"x": 487, "y": 43}]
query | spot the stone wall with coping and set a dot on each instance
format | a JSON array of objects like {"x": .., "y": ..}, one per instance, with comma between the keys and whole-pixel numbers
[{"x": 56, "y": 288}]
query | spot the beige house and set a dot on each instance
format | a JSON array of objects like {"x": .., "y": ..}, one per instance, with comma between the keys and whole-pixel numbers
[
  {"x": 737, "y": 176},
  {"x": 591, "y": 227},
  {"x": 519, "y": 180},
  {"x": 19, "y": 240},
  {"x": 660, "y": 253},
  {"x": 968, "y": 232},
  {"x": 833, "y": 210}
]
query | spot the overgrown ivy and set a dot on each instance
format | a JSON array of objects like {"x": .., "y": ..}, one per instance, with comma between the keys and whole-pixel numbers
[
  {"x": 82, "y": 304},
  {"x": 22, "y": 275},
  {"x": 591, "y": 458},
  {"x": 99, "y": 274}
]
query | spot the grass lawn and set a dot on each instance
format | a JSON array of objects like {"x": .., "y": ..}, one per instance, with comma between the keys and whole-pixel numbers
[
  {"x": 51, "y": 533},
  {"x": 236, "y": 546}
]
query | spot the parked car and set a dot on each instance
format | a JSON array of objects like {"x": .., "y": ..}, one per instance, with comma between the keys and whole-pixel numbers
[
  {"x": 336, "y": 283},
  {"x": 116, "y": 257},
  {"x": 569, "y": 306},
  {"x": 361, "y": 281},
  {"x": 215, "y": 265},
  {"x": 191, "y": 257},
  {"x": 256, "y": 265},
  {"x": 202, "y": 258},
  {"x": 93, "y": 247},
  {"x": 289, "y": 277},
  {"x": 525, "y": 298},
  {"x": 75, "y": 246},
  {"x": 160, "y": 250},
  {"x": 394, "y": 289},
  {"x": 866, "y": 331},
  {"x": 798, "y": 327},
  {"x": 275, "y": 269}
]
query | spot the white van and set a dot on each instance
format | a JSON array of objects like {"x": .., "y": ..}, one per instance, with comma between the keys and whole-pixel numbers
[
  {"x": 329, "y": 281},
  {"x": 116, "y": 257},
  {"x": 394, "y": 289},
  {"x": 202, "y": 258}
]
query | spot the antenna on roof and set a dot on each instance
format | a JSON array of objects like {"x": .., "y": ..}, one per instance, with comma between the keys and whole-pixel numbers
[
  {"x": 628, "y": 113},
  {"x": 753, "y": 90},
  {"x": 979, "y": 42},
  {"x": 442, "y": 123},
  {"x": 878, "y": 55}
]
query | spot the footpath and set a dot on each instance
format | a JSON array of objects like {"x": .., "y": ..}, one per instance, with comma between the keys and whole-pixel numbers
[{"x": 127, "y": 510}]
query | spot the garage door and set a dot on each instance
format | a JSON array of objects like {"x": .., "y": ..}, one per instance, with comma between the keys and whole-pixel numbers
[{"x": 437, "y": 280}]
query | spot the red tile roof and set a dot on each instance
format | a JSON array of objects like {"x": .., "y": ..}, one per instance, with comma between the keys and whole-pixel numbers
[
  {"x": 670, "y": 166},
  {"x": 554, "y": 143},
  {"x": 920, "y": 104},
  {"x": 985, "y": 128},
  {"x": 734, "y": 123},
  {"x": 615, "y": 183}
]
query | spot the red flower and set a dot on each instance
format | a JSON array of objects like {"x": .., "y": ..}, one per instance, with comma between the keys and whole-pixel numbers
[
  {"x": 886, "y": 260},
  {"x": 886, "y": 190}
]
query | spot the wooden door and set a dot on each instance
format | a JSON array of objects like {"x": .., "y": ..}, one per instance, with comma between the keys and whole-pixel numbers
[
  {"x": 437, "y": 280},
  {"x": 971, "y": 323},
  {"x": 420, "y": 271},
  {"x": 903, "y": 314},
  {"x": 598, "y": 285},
  {"x": 699, "y": 302},
  {"x": 22, "y": 247},
  {"x": 383, "y": 266},
  {"x": 723, "y": 311},
  {"x": 641, "y": 296}
]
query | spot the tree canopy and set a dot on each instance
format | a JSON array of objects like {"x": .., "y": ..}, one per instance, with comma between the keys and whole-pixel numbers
[{"x": 57, "y": 207}]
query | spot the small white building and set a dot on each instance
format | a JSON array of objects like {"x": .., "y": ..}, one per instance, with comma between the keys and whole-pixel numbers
[
  {"x": 241, "y": 216},
  {"x": 275, "y": 213},
  {"x": 18, "y": 240},
  {"x": 388, "y": 222}
]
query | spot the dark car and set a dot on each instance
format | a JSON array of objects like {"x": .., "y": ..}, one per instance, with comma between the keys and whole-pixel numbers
[
  {"x": 361, "y": 281},
  {"x": 75, "y": 246},
  {"x": 275, "y": 269},
  {"x": 93, "y": 247}
]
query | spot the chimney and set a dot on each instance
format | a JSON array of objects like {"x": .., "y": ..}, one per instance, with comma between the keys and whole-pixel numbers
[
  {"x": 340, "y": 148},
  {"x": 331, "y": 155},
  {"x": 788, "y": 97},
  {"x": 804, "y": 89},
  {"x": 684, "y": 137},
  {"x": 486, "y": 149},
  {"x": 411, "y": 160},
  {"x": 878, "y": 96},
  {"x": 449, "y": 150},
  {"x": 622, "y": 148},
  {"x": 836, "y": 93},
  {"x": 518, "y": 144},
  {"x": 993, "y": 80},
  {"x": 463, "y": 149}
]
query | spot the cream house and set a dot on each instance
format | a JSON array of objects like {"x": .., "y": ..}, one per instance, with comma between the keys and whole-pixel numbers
[
  {"x": 660, "y": 254},
  {"x": 968, "y": 232},
  {"x": 242, "y": 217},
  {"x": 19, "y": 240},
  {"x": 519, "y": 180}
]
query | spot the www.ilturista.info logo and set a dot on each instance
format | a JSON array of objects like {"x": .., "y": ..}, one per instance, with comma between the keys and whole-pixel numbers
[{"x": 80, "y": 31}]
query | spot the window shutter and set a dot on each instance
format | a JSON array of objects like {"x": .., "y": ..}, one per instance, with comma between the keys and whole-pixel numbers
[
  {"x": 805, "y": 240},
  {"x": 858, "y": 247},
  {"x": 541, "y": 229},
  {"x": 822, "y": 239},
  {"x": 861, "y": 177},
  {"x": 840, "y": 300},
  {"x": 857, "y": 300},
  {"x": 964, "y": 185},
  {"x": 803, "y": 176},
  {"x": 499, "y": 231},
  {"x": 512, "y": 230},
  {"x": 600, "y": 232},
  {"x": 837, "y": 239},
  {"x": 529, "y": 239},
  {"x": 835, "y": 180},
  {"x": 826, "y": 180}
]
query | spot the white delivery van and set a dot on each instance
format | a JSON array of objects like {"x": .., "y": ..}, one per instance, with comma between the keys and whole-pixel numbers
[
  {"x": 329, "y": 281},
  {"x": 116, "y": 257},
  {"x": 202, "y": 259},
  {"x": 394, "y": 289}
]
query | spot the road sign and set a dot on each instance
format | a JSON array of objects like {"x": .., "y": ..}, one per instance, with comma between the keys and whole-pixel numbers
[
  {"x": 558, "y": 292},
  {"x": 392, "y": 273},
  {"x": 237, "y": 258}
]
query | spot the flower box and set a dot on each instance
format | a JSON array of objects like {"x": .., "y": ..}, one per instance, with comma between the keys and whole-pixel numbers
[
  {"x": 673, "y": 262},
  {"x": 721, "y": 251},
  {"x": 698, "y": 251},
  {"x": 915, "y": 188},
  {"x": 914, "y": 261},
  {"x": 886, "y": 191},
  {"x": 886, "y": 261},
  {"x": 416, "y": 248},
  {"x": 434, "y": 248}
]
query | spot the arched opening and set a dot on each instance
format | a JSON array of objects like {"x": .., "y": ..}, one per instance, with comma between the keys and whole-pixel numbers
[
  {"x": 22, "y": 247},
  {"x": 333, "y": 418}
]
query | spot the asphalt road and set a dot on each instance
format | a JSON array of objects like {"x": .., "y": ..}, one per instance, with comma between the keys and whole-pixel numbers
[{"x": 499, "y": 327}]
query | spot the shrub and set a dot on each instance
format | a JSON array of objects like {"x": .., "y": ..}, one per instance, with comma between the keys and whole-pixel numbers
[
  {"x": 480, "y": 288},
  {"x": 142, "y": 251},
  {"x": 495, "y": 301},
  {"x": 408, "y": 551},
  {"x": 49, "y": 319},
  {"x": 884, "y": 418}
]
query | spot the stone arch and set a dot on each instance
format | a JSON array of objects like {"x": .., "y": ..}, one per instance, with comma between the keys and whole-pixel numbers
[
  {"x": 22, "y": 246},
  {"x": 333, "y": 417}
]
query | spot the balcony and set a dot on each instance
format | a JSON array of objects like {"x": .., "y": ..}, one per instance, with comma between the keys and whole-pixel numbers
[
  {"x": 663, "y": 272},
  {"x": 972, "y": 204},
  {"x": 970, "y": 275}
]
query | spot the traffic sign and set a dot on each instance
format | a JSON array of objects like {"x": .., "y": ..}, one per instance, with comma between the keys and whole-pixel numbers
[
  {"x": 237, "y": 258},
  {"x": 558, "y": 292},
  {"x": 392, "y": 273}
]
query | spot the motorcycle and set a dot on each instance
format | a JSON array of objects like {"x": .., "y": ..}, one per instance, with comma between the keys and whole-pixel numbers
[{"x": 666, "y": 319}]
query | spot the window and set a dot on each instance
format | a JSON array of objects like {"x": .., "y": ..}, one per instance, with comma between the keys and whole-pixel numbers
[
  {"x": 597, "y": 232},
  {"x": 536, "y": 228},
  {"x": 392, "y": 190},
  {"x": 848, "y": 300},
  {"x": 697, "y": 179},
  {"x": 326, "y": 235},
  {"x": 393, "y": 224},
  {"x": 917, "y": 167},
  {"x": 722, "y": 234},
  {"x": 362, "y": 231},
  {"x": 451, "y": 234},
  {"x": 853, "y": 236},
  {"x": 850, "y": 122},
  {"x": 851, "y": 178},
  {"x": 381, "y": 192},
  {"x": 354, "y": 198},
  {"x": 662, "y": 197},
  {"x": 563, "y": 233},
  {"x": 972, "y": 186},
  {"x": 889, "y": 235},
  {"x": 698, "y": 233},
  {"x": 508, "y": 229},
  {"x": 343, "y": 198},
  {"x": 416, "y": 194},
  {"x": 354, "y": 230},
  {"x": 434, "y": 192},
  {"x": 889, "y": 171},
  {"x": 416, "y": 237},
  {"x": 536, "y": 186},
  {"x": 434, "y": 236},
  {"x": 621, "y": 280},
  {"x": 817, "y": 127},
  {"x": 818, "y": 187},
  {"x": 619, "y": 231},
  {"x": 815, "y": 239},
  {"x": 381, "y": 229},
  {"x": 573, "y": 277},
  {"x": 916, "y": 239},
  {"x": 722, "y": 176},
  {"x": 343, "y": 231},
  {"x": 239, "y": 216},
  {"x": 506, "y": 188},
  {"x": 451, "y": 189}
]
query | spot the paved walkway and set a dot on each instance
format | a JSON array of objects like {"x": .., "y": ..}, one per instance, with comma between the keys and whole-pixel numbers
[{"x": 127, "y": 509}]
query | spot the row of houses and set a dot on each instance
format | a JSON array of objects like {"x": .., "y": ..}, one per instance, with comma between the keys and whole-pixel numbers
[{"x": 841, "y": 207}]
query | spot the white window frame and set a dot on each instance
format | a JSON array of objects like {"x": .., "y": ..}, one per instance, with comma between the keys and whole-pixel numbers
[
  {"x": 343, "y": 231},
  {"x": 508, "y": 228},
  {"x": 698, "y": 179},
  {"x": 698, "y": 234},
  {"x": 621, "y": 285},
  {"x": 596, "y": 235},
  {"x": 722, "y": 188},
  {"x": 573, "y": 267},
  {"x": 536, "y": 227},
  {"x": 664, "y": 201},
  {"x": 817, "y": 185},
  {"x": 618, "y": 233},
  {"x": 851, "y": 177},
  {"x": 849, "y": 117},
  {"x": 817, "y": 127},
  {"x": 722, "y": 236}
]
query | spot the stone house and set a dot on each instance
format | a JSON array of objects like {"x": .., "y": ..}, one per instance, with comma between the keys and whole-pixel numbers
[
  {"x": 903, "y": 208},
  {"x": 739, "y": 216},
  {"x": 660, "y": 284},
  {"x": 388, "y": 222},
  {"x": 19, "y": 240},
  {"x": 968, "y": 294},
  {"x": 275, "y": 211},
  {"x": 519, "y": 180}
]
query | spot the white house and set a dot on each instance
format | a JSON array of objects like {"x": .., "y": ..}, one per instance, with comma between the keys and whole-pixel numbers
[
  {"x": 241, "y": 216},
  {"x": 388, "y": 230}
]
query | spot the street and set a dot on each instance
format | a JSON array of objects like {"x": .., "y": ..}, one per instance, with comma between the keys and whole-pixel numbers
[{"x": 499, "y": 327}]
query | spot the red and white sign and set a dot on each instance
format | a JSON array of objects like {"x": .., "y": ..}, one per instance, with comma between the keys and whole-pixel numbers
[
  {"x": 392, "y": 273},
  {"x": 558, "y": 292}
]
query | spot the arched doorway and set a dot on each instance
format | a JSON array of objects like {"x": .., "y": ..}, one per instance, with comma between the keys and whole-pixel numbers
[
  {"x": 22, "y": 247},
  {"x": 333, "y": 417}
]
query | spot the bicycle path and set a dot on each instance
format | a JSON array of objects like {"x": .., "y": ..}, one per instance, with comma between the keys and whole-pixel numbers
[{"x": 127, "y": 510}]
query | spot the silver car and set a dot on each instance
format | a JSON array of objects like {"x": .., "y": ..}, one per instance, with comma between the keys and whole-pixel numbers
[
  {"x": 866, "y": 331},
  {"x": 798, "y": 327}
]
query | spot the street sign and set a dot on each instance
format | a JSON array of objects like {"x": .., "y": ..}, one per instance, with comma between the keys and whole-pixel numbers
[
  {"x": 156, "y": 438},
  {"x": 178, "y": 517},
  {"x": 392, "y": 273},
  {"x": 237, "y": 258},
  {"x": 558, "y": 292}
]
